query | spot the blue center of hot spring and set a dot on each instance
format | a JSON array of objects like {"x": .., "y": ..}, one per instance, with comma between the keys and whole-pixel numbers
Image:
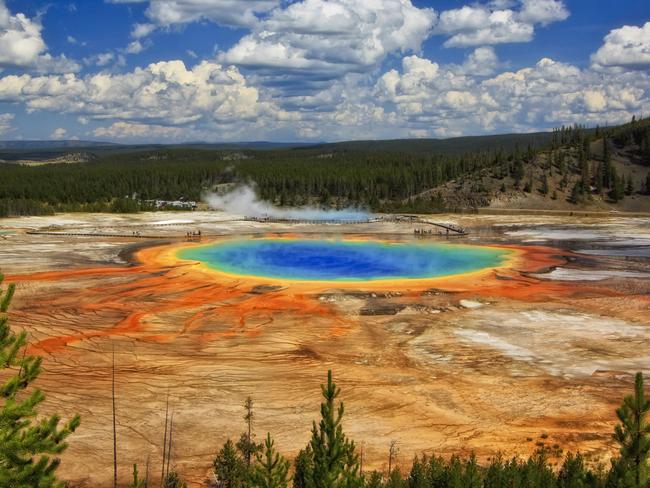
[{"x": 325, "y": 260}]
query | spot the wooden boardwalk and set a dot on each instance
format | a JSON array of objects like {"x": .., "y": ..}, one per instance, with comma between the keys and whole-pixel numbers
[
  {"x": 310, "y": 221},
  {"x": 449, "y": 229},
  {"x": 414, "y": 219}
]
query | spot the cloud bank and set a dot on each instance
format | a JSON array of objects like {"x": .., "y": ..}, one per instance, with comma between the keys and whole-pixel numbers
[{"x": 325, "y": 70}]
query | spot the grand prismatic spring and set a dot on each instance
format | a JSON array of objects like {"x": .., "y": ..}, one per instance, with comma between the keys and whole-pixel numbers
[
  {"x": 523, "y": 332},
  {"x": 335, "y": 260}
]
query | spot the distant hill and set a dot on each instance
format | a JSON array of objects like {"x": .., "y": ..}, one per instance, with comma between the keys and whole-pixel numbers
[
  {"x": 39, "y": 150},
  {"x": 53, "y": 151},
  {"x": 454, "y": 145},
  {"x": 258, "y": 145},
  {"x": 68, "y": 144},
  {"x": 32, "y": 145}
]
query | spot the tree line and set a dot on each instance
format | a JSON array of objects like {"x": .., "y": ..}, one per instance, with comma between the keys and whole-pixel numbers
[
  {"x": 331, "y": 175},
  {"x": 284, "y": 177},
  {"x": 30, "y": 445}
]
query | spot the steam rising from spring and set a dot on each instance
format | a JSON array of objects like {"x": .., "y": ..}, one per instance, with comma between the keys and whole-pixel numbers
[{"x": 243, "y": 200}]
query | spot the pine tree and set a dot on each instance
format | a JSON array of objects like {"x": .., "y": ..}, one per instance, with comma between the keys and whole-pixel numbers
[
  {"x": 454, "y": 473},
  {"x": 495, "y": 476},
  {"x": 600, "y": 178},
  {"x": 229, "y": 467},
  {"x": 544, "y": 189},
  {"x": 518, "y": 172},
  {"x": 5, "y": 301},
  {"x": 395, "y": 480},
  {"x": 586, "y": 147},
  {"x": 561, "y": 163},
  {"x": 246, "y": 445},
  {"x": 633, "y": 435},
  {"x": 137, "y": 482},
  {"x": 418, "y": 477},
  {"x": 616, "y": 475},
  {"x": 572, "y": 473},
  {"x": 173, "y": 480},
  {"x": 438, "y": 473},
  {"x": 584, "y": 169},
  {"x": 577, "y": 193},
  {"x": 472, "y": 474},
  {"x": 607, "y": 166},
  {"x": 271, "y": 469},
  {"x": 25, "y": 442},
  {"x": 303, "y": 466},
  {"x": 530, "y": 152},
  {"x": 335, "y": 463},
  {"x": 644, "y": 147},
  {"x": 536, "y": 472},
  {"x": 374, "y": 480},
  {"x": 617, "y": 191}
]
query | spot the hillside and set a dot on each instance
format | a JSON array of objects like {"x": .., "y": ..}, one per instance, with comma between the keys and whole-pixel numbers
[
  {"x": 576, "y": 175},
  {"x": 567, "y": 169}
]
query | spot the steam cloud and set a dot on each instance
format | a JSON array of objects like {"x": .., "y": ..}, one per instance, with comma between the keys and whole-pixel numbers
[{"x": 244, "y": 201}]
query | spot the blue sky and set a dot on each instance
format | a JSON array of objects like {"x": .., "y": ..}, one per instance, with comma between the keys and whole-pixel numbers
[{"x": 218, "y": 70}]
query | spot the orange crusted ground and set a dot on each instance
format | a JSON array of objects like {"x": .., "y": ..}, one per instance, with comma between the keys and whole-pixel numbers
[{"x": 483, "y": 361}]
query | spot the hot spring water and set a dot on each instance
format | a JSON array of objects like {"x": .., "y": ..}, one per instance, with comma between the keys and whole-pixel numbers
[{"x": 334, "y": 260}]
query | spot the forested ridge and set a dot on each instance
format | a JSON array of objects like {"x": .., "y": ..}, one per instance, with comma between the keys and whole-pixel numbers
[{"x": 382, "y": 176}]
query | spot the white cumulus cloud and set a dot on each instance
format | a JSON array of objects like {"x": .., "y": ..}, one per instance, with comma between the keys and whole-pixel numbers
[
  {"x": 627, "y": 47},
  {"x": 165, "y": 13},
  {"x": 165, "y": 93},
  {"x": 59, "y": 133},
  {"x": 497, "y": 22},
  {"x": 314, "y": 69},
  {"x": 483, "y": 61},
  {"x": 542, "y": 96},
  {"x": 5, "y": 123},
  {"x": 22, "y": 45},
  {"x": 325, "y": 39},
  {"x": 543, "y": 11}
]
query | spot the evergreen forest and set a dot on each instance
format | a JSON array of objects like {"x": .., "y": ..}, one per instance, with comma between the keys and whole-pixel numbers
[{"x": 572, "y": 163}]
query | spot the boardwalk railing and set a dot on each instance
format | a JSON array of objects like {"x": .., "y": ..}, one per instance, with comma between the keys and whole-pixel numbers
[
  {"x": 311, "y": 221},
  {"x": 411, "y": 219},
  {"x": 414, "y": 219}
]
